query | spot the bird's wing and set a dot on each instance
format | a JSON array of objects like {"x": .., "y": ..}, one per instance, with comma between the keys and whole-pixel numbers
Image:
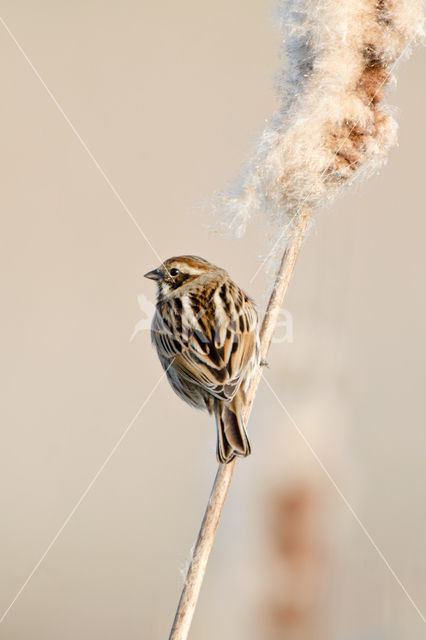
[
  {"x": 165, "y": 337},
  {"x": 211, "y": 354}
]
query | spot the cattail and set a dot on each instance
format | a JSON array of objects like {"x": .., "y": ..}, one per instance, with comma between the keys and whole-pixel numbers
[
  {"x": 296, "y": 572},
  {"x": 333, "y": 126}
]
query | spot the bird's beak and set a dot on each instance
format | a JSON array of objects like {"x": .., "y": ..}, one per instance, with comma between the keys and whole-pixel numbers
[{"x": 153, "y": 275}]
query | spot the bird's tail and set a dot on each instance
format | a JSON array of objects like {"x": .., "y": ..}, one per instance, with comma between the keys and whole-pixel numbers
[{"x": 232, "y": 439}]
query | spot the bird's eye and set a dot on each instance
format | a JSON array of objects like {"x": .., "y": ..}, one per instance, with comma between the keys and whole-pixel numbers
[{"x": 174, "y": 272}]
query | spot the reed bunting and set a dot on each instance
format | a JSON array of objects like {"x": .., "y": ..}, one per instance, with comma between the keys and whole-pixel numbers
[{"x": 205, "y": 332}]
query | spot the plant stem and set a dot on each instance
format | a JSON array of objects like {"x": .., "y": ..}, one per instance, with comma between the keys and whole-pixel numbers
[{"x": 197, "y": 568}]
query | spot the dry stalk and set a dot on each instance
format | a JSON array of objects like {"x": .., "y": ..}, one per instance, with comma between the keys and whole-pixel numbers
[
  {"x": 204, "y": 543},
  {"x": 333, "y": 126}
]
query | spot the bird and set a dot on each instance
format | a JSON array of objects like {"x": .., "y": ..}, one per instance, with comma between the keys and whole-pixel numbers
[{"x": 205, "y": 331}]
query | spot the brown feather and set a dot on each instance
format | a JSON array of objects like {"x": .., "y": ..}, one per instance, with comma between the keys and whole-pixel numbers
[{"x": 205, "y": 333}]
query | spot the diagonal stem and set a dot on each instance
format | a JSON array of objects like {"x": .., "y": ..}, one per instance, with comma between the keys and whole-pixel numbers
[{"x": 197, "y": 568}]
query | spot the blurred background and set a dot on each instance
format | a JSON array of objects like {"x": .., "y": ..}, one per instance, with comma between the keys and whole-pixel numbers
[{"x": 170, "y": 97}]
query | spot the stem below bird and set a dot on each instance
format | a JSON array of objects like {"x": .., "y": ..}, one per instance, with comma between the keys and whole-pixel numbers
[{"x": 197, "y": 568}]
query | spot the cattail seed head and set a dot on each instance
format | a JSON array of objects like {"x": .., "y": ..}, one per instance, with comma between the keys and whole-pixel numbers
[{"x": 333, "y": 125}]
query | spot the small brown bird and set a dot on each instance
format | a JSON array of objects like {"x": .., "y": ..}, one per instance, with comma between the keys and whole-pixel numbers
[{"x": 205, "y": 333}]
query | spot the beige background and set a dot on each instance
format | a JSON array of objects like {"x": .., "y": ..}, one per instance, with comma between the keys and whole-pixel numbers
[{"x": 169, "y": 97}]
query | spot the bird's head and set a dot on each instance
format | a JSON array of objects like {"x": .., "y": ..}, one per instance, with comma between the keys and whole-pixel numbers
[{"x": 177, "y": 272}]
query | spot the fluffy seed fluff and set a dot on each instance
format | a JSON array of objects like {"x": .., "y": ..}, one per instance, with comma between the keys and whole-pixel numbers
[{"x": 333, "y": 125}]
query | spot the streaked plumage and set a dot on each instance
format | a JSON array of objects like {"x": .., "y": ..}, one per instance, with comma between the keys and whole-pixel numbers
[{"x": 205, "y": 333}]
